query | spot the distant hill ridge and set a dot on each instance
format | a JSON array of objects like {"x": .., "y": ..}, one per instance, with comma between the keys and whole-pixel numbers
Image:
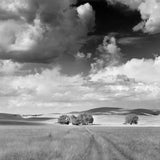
[
  {"x": 145, "y": 111},
  {"x": 17, "y": 117},
  {"x": 103, "y": 109},
  {"x": 119, "y": 111},
  {"x": 94, "y": 111},
  {"x": 10, "y": 116}
]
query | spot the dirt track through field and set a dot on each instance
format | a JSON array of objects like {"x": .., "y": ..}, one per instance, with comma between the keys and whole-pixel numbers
[
  {"x": 103, "y": 148},
  {"x": 94, "y": 150}
]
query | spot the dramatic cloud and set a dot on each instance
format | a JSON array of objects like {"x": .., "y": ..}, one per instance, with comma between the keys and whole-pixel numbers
[
  {"x": 18, "y": 36},
  {"x": 46, "y": 31},
  {"x": 14, "y": 5},
  {"x": 9, "y": 67},
  {"x": 138, "y": 79},
  {"x": 87, "y": 15},
  {"x": 133, "y": 4},
  {"x": 50, "y": 90},
  {"x": 41, "y": 31},
  {"x": 82, "y": 56},
  {"x": 150, "y": 13},
  {"x": 129, "y": 40},
  {"x": 108, "y": 54},
  {"x": 144, "y": 70}
]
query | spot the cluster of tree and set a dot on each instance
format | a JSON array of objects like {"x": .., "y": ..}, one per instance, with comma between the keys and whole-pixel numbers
[
  {"x": 81, "y": 119},
  {"x": 86, "y": 119}
]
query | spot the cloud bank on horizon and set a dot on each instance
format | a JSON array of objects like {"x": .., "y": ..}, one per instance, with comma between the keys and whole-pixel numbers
[{"x": 40, "y": 38}]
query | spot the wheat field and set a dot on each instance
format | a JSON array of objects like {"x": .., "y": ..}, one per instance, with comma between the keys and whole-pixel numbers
[{"x": 55, "y": 142}]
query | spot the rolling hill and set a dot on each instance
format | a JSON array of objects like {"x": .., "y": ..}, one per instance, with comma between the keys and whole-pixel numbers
[
  {"x": 119, "y": 111},
  {"x": 10, "y": 116},
  {"x": 16, "y": 119}
]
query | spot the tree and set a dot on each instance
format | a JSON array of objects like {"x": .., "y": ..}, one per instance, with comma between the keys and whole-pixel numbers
[
  {"x": 75, "y": 120},
  {"x": 64, "y": 119},
  {"x": 90, "y": 119},
  {"x": 85, "y": 118},
  {"x": 131, "y": 119}
]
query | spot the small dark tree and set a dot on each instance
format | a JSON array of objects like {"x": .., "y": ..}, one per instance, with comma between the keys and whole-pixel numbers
[
  {"x": 85, "y": 119},
  {"x": 131, "y": 119},
  {"x": 90, "y": 119},
  {"x": 64, "y": 119},
  {"x": 75, "y": 120}
]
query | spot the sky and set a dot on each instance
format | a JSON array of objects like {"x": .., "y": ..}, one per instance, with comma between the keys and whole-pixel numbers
[{"x": 73, "y": 55}]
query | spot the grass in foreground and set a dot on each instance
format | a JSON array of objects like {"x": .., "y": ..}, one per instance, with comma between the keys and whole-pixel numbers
[{"x": 54, "y": 142}]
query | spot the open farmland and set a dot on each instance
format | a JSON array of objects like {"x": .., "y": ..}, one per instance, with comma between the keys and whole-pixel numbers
[{"x": 55, "y": 142}]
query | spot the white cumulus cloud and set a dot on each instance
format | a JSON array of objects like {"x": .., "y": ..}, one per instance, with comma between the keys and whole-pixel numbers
[
  {"x": 87, "y": 15},
  {"x": 9, "y": 67},
  {"x": 108, "y": 54},
  {"x": 150, "y": 13},
  {"x": 50, "y": 90},
  {"x": 145, "y": 70}
]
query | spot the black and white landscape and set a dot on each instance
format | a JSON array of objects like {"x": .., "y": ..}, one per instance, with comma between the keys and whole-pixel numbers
[
  {"x": 102, "y": 117},
  {"x": 97, "y": 58}
]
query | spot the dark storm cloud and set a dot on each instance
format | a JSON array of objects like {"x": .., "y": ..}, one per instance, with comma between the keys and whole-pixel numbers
[
  {"x": 149, "y": 11},
  {"x": 133, "y": 21},
  {"x": 46, "y": 31},
  {"x": 41, "y": 31},
  {"x": 114, "y": 20},
  {"x": 113, "y": 17}
]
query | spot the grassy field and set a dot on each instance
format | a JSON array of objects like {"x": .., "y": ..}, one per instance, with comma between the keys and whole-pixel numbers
[{"x": 54, "y": 142}]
